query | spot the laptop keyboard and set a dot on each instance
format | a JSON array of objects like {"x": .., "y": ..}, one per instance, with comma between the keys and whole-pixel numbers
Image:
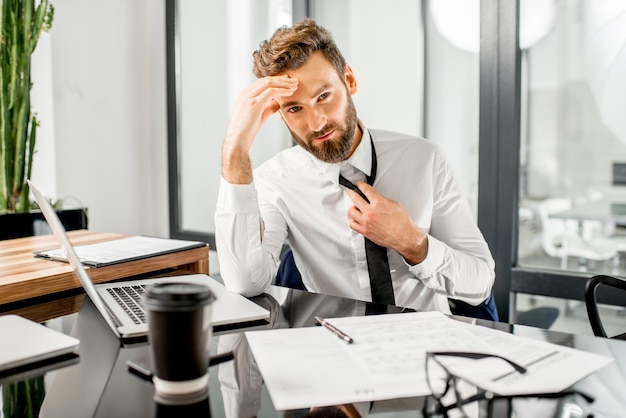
[{"x": 129, "y": 298}]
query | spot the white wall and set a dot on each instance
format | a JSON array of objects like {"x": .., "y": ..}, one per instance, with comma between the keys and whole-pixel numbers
[
  {"x": 108, "y": 71},
  {"x": 571, "y": 144},
  {"x": 385, "y": 57},
  {"x": 453, "y": 105},
  {"x": 41, "y": 101}
]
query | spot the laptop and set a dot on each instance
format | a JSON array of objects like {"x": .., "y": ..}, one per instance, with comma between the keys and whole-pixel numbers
[
  {"x": 119, "y": 303},
  {"x": 28, "y": 344}
]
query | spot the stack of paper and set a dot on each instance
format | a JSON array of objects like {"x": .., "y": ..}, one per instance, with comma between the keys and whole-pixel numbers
[{"x": 305, "y": 367}]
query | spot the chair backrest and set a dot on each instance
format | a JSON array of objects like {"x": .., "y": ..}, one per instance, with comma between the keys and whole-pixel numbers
[
  {"x": 591, "y": 301},
  {"x": 288, "y": 274},
  {"x": 486, "y": 310},
  {"x": 553, "y": 230}
]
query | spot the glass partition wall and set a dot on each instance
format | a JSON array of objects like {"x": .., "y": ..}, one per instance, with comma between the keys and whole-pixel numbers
[
  {"x": 573, "y": 137},
  {"x": 572, "y": 198}
]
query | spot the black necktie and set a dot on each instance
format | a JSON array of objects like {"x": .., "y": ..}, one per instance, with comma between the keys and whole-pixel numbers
[{"x": 377, "y": 263}]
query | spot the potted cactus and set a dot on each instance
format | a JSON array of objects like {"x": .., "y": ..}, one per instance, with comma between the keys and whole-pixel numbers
[{"x": 21, "y": 23}]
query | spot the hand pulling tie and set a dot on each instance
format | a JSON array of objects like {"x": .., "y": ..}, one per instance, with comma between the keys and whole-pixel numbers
[{"x": 377, "y": 262}]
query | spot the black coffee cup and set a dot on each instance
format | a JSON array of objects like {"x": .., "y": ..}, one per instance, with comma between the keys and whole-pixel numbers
[{"x": 179, "y": 325}]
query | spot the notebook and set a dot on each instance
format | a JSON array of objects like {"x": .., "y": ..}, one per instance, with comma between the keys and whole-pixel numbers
[
  {"x": 25, "y": 342},
  {"x": 101, "y": 254},
  {"x": 230, "y": 310}
]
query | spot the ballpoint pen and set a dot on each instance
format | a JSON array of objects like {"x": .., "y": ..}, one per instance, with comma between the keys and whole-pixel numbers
[{"x": 339, "y": 333}]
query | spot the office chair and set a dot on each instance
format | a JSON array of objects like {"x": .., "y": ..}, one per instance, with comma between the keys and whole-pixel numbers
[
  {"x": 541, "y": 317},
  {"x": 591, "y": 302},
  {"x": 561, "y": 239},
  {"x": 289, "y": 276},
  {"x": 486, "y": 310}
]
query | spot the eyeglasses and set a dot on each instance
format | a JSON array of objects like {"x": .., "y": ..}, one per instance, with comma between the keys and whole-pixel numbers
[{"x": 442, "y": 383}]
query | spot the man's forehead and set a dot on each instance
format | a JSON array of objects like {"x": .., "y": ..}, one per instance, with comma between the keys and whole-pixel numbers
[
  {"x": 315, "y": 84},
  {"x": 316, "y": 69}
]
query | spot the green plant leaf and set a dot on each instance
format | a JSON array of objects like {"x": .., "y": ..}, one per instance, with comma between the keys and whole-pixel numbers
[{"x": 21, "y": 23}]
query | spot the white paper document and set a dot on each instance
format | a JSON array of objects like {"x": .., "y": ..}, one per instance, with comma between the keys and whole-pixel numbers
[
  {"x": 305, "y": 367},
  {"x": 121, "y": 250}
]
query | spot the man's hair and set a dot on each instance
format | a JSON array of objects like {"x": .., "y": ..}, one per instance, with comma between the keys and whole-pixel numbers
[{"x": 291, "y": 47}]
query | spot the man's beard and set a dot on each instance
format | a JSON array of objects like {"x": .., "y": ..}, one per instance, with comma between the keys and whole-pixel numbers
[{"x": 333, "y": 150}]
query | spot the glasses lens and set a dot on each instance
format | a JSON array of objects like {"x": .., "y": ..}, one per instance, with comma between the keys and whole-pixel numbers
[
  {"x": 448, "y": 391},
  {"x": 565, "y": 404},
  {"x": 437, "y": 377}
]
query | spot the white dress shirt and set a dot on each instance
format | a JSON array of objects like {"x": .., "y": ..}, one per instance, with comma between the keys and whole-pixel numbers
[{"x": 296, "y": 199}]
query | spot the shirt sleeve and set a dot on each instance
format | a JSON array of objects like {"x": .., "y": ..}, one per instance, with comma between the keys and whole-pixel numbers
[
  {"x": 459, "y": 262},
  {"x": 248, "y": 260}
]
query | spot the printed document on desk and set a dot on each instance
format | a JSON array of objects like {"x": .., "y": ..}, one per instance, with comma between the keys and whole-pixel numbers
[
  {"x": 305, "y": 367},
  {"x": 121, "y": 250}
]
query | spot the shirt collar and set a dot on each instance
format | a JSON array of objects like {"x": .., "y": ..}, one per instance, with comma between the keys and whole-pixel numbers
[{"x": 361, "y": 159}]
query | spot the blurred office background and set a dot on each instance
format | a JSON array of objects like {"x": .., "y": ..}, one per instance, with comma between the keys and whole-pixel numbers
[{"x": 109, "y": 90}]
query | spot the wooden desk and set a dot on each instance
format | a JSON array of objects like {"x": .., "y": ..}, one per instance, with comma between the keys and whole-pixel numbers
[{"x": 22, "y": 276}]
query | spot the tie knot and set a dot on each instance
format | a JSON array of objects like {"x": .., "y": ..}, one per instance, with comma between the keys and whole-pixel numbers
[{"x": 352, "y": 173}]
